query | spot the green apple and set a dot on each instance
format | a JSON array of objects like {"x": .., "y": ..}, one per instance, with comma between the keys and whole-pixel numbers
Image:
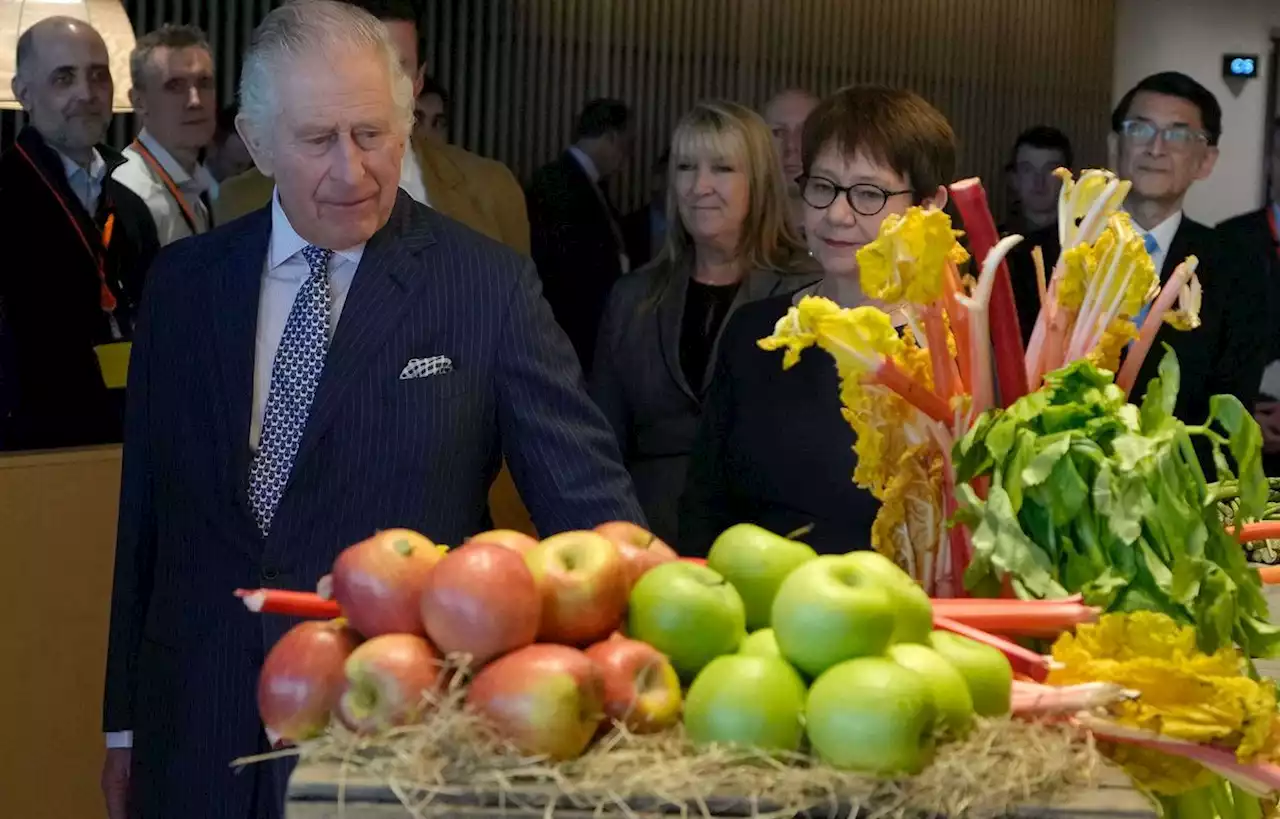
[
  {"x": 761, "y": 643},
  {"x": 756, "y": 561},
  {"x": 746, "y": 700},
  {"x": 830, "y": 610},
  {"x": 913, "y": 609},
  {"x": 688, "y": 612},
  {"x": 985, "y": 670},
  {"x": 950, "y": 691},
  {"x": 872, "y": 715}
]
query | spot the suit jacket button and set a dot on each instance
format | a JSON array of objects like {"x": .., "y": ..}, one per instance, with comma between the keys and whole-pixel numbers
[{"x": 270, "y": 573}]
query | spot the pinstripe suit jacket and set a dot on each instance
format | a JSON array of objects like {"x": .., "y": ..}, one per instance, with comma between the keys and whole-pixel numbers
[{"x": 377, "y": 452}]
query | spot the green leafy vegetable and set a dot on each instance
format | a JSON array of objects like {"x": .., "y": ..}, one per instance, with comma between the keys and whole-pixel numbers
[{"x": 1092, "y": 495}]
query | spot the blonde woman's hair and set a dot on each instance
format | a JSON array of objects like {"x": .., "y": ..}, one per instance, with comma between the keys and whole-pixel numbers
[{"x": 726, "y": 129}]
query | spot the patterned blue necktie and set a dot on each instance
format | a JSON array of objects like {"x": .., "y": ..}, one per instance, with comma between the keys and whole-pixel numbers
[
  {"x": 294, "y": 376},
  {"x": 1153, "y": 247}
]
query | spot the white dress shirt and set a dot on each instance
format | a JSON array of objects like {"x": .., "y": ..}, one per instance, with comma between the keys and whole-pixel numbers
[
  {"x": 138, "y": 176},
  {"x": 411, "y": 176},
  {"x": 86, "y": 183},
  {"x": 283, "y": 273},
  {"x": 1163, "y": 233}
]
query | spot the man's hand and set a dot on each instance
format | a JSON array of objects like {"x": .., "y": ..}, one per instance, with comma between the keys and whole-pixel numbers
[
  {"x": 115, "y": 782},
  {"x": 1267, "y": 414}
]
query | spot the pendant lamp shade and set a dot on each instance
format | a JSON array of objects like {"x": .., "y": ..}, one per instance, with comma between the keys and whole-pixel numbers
[{"x": 107, "y": 16}]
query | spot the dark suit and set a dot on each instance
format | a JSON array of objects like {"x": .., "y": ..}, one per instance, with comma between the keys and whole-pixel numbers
[
  {"x": 575, "y": 243},
  {"x": 1226, "y": 354},
  {"x": 773, "y": 448},
  {"x": 377, "y": 452},
  {"x": 639, "y": 383},
  {"x": 51, "y": 390},
  {"x": 644, "y": 243}
]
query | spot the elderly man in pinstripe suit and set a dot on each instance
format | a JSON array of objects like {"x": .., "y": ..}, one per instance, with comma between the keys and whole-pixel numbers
[{"x": 341, "y": 361}]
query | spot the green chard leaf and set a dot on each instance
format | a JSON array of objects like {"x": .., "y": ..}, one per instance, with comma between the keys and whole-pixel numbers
[
  {"x": 1024, "y": 450},
  {"x": 1000, "y": 541},
  {"x": 1244, "y": 440},
  {"x": 1049, "y": 450},
  {"x": 1122, "y": 498},
  {"x": 1162, "y": 394},
  {"x": 970, "y": 456}
]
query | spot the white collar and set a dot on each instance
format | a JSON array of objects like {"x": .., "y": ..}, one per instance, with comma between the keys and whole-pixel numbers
[
  {"x": 97, "y": 169},
  {"x": 286, "y": 243},
  {"x": 580, "y": 156},
  {"x": 201, "y": 180},
  {"x": 1165, "y": 231}
]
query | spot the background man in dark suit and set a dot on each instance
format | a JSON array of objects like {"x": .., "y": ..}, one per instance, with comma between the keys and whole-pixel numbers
[
  {"x": 1257, "y": 234},
  {"x": 77, "y": 245},
  {"x": 1164, "y": 139},
  {"x": 575, "y": 233},
  {"x": 264, "y": 434}
]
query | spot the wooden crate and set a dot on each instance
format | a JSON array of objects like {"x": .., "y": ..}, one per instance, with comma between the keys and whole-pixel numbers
[{"x": 313, "y": 794}]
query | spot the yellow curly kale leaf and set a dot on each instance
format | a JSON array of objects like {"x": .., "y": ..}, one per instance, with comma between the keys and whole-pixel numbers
[
  {"x": 1117, "y": 336},
  {"x": 1184, "y": 693},
  {"x": 908, "y": 260}
]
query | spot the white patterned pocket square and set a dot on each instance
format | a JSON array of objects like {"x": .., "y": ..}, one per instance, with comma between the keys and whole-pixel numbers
[{"x": 426, "y": 367}]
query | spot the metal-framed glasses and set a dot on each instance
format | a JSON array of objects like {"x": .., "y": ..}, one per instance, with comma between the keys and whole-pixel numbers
[
  {"x": 865, "y": 199},
  {"x": 1141, "y": 132}
]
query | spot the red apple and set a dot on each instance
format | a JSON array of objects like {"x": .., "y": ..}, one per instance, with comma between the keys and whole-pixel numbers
[
  {"x": 641, "y": 549},
  {"x": 701, "y": 561},
  {"x": 389, "y": 680},
  {"x": 379, "y": 581},
  {"x": 543, "y": 699},
  {"x": 641, "y": 689},
  {"x": 510, "y": 538},
  {"x": 302, "y": 679},
  {"x": 584, "y": 588},
  {"x": 481, "y": 600}
]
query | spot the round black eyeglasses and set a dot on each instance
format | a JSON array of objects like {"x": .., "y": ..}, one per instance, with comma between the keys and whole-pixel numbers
[{"x": 865, "y": 199}]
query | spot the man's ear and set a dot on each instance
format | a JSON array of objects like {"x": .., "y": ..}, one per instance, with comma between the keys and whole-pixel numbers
[
  {"x": 419, "y": 79},
  {"x": 1208, "y": 163},
  {"x": 255, "y": 145},
  {"x": 1113, "y": 152},
  {"x": 137, "y": 101},
  {"x": 19, "y": 87}
]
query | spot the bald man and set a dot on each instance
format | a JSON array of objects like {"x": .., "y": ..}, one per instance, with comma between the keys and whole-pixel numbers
[
  {"x": 785, "y": 113},
  {"x": 77, "y": 245}
]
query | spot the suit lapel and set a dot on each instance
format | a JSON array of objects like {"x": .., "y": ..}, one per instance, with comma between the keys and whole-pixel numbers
[
  {"x": 757, "y": 285},
  {"x": 235, "y": 323},
  {"x": 1179, "y": 249},
  {"x": 670, "y": 315},
  {"x": 380, "y": 292}
]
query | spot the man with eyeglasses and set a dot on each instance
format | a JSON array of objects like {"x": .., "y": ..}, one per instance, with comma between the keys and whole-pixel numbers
[{"x": 1164, "y": 139}]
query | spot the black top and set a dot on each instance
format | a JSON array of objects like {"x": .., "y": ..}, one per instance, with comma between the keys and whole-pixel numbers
[
  {"x": 51, "y": 317},
  {"x": 773, "y": 448},
  {"x": 705, "y": 309}
]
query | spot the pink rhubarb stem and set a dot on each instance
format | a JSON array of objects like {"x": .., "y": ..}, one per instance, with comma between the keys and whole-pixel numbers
[
  {"x": 1155, "y": 316},
  {"x": 1006, "y": 335},
  {"x": 1024, "y": 661}
]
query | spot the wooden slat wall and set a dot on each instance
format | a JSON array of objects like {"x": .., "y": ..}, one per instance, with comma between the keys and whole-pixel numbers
[{"x": 518, "y": 70}]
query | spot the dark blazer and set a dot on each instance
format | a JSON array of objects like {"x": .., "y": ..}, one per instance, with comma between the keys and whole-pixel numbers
[
  {"x": 377, "y": 452},
  {"x": 51, "y": 389},
  {"x": 1227, "y": 353},
  {"x": 773, "y": 448},
  {"x": 637, "y": 231},
  {"x": 575, "y": 247},
  {"x": 1249, "y": 235},
  {"x": 638, "y": 381}
]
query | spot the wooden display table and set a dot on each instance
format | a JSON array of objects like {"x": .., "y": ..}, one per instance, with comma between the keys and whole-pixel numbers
[{"x": 313, "y": 794}]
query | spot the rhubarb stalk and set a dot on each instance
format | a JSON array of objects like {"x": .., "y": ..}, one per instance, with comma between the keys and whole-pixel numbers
[
  {"x": 292, "y": 603},
  {"x": 1006, "y": 335},
  {"x": 889, "y": 375},
  {"x": 1024, "y": 661},
  {"x": 1155, "y": 316}
]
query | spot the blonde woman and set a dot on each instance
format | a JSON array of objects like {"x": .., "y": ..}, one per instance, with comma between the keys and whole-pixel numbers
[{"x": 729, "y": 244}]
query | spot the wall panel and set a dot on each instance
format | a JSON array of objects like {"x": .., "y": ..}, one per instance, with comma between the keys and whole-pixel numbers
[{"x": 518, "y": 70}]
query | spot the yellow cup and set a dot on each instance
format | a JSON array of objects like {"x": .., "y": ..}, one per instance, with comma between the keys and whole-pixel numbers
[{"x": 113, "y": 360}]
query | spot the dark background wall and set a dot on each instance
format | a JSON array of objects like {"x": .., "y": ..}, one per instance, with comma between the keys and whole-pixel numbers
[{"x": 518, "y": 70}]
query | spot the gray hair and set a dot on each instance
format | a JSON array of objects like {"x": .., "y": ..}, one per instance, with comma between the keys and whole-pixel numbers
[
  {"x": 169, "y": 35},
  {"x": 305, "y": 27}
]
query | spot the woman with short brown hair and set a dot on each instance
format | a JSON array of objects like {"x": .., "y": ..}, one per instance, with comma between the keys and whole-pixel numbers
[{"x": 773, "y": 447}]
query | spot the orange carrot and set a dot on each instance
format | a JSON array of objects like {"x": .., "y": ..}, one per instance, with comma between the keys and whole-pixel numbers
[
  {"x": 1270, "y": 575},
  {"x": 1261, "y": 530},
  {"x": 930, "y": 403},
  {"x": 943, "y": 365},
  {"x": 292, "y": 603}
]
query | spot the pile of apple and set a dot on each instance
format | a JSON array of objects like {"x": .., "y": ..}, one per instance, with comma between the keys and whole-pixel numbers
[
  {"x": 533, "y": 623},
  {"x": 780, "y": 649},
  {"x": 840, "y": 654}
]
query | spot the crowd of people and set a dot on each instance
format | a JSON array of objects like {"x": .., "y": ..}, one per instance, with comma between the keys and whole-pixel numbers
[{"x": 337, "y": 322}]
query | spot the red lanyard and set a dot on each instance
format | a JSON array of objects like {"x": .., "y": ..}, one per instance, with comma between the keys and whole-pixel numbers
[
  {"x": 1275, "y": 229},
  {"x": 188, "y": 215},
  {"x": 106, "y": 298}
]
